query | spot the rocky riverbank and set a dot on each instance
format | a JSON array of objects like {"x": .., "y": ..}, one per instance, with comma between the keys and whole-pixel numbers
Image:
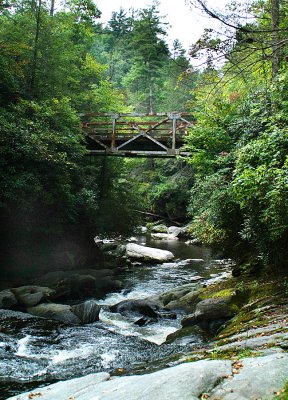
[
  {"x": 246, "y": 359},
  {"x": 250, "y": 378},
  {"x": 245, "y": 319}
]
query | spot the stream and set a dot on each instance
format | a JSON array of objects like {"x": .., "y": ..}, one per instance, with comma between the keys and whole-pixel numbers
[{"x": 38, "y": 352}]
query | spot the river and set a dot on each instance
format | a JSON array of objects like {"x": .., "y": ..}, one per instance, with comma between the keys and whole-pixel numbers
[{"x": 40, "y": 352}]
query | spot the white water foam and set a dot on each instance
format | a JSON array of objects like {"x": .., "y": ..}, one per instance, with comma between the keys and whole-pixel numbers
[
  {"x": 107, "y": 358},
  {"x": 81, "y": 352},
  {"x": 154, "y": 332},
  {"x": 22, "y": 349}
]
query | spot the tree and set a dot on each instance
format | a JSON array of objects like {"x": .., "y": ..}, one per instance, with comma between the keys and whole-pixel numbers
[
  {"x": 254, "y": 38},
  {"x": 150, "y": 53}
]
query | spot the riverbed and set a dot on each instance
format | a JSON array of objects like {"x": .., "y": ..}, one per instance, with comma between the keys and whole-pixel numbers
[{"x": 39, "y": 352}]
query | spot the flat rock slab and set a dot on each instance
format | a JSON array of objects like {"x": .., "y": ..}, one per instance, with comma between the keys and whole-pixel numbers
[
  {"x": 183, "y": 382},
  {"x": 256, "y": 378},
  {"x": 259, "y": 378},
  {"x": 148, "y": 253}
]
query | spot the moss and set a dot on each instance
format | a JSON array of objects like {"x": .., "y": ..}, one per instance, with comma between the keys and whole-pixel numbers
[
  {"x": 249, "y": 302},
  {"x": 282, "y": 394},
  {"x": 234, "y": 354},
  {"x": 227, "y": 292}
]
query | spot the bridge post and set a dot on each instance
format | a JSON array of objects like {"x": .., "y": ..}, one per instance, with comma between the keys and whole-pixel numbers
[
  {"x": 113, "y": 136},
  {"x": 174, "y": 118}
]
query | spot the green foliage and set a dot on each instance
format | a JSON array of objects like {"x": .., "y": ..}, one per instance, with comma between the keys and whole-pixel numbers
[
  {"x": 49, "y": 190},
  {"x": 240, "y": 152},
  {"x": 164, "y": 186}
]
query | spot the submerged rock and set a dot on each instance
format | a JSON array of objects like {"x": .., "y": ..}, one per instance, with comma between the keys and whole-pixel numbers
[{"x": 148, "y": 253}]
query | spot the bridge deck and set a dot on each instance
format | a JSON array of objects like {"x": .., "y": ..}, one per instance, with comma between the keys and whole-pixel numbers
[{"x": 136, "y": 134}]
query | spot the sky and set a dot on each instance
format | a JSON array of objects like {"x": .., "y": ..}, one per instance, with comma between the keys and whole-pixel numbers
[{"x": 185, "y": 24}]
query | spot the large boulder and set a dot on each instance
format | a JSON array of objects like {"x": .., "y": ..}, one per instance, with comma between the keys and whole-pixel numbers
[
  {"x": 58, "y": 312},
  {"x": 87, "y": 312},
  {"x": 211, "y": 313},
  {"x": 182, "y": 297},
  {"x": 81, "y": 284},
  {"x": 163, "y": 236},
  {"x": 7, "y": 300},
  {"x": 29, "y": 296},
  {"x": 136, "y": 307},
  {"x": 148, "y": 253},
  {"x": 160, "y": 228},
  {"x": 52, "y": 279},
  {"x": 147, "y": 310},
  {"x": 174, "y": 230}
]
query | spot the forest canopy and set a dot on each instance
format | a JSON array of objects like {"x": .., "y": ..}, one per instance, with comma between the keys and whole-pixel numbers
[{"x": 58, "y": 62}]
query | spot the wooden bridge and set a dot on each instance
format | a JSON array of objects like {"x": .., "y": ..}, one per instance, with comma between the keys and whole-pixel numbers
[{"x": 132, "y": 135}]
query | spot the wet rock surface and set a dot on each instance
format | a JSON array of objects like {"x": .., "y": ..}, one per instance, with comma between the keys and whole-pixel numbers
[
  {"x": 58, "y": 312},
  {"x": 136, "y": 251},
  {"x": 33, "y": 348},
  {"x": 87, "y": 312},
  {"x": 29, "y": 296},
  {"x": 216, "y": 379},
  {"x": 7, "y": 299},
  {"x": 210, "y": 310}
]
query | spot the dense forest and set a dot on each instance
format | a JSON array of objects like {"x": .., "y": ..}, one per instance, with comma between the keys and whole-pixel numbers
[{"x": 57, "y": 62}]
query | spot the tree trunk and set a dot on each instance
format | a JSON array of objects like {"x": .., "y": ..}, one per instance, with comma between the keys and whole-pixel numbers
[
  {"x": 151, "y": 92},
  {"x": 35, "y": 52},
  {"x": 275, "y": 17},
  {"x": 52, "y": 8}
]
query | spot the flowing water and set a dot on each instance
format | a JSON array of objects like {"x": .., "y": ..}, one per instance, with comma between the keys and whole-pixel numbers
[{"x": 36, "y": 352}]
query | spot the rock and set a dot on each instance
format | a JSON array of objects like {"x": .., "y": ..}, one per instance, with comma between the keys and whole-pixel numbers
[
  {"x": 7, "y": 299},
  {"x": 84, "y": 283},
  {"x": 136, "y": 307},
  {"x": 197, "y": 260},
  {"x": 181, "y": 296},
  {"x": 186, "y": 382},
  {"x": 194, "y": 242},
  {"x": 159, "y": 228},
  {"x": 87, "y": 312},
  {"x": 184, "y": 233},
  {"x": 148, "y": 253},
  {"x": 210, "y": 310},
  {"x": 132, "y": 239},
  {"x": 163, "y": 236},
  {"x": 29, "y": 296},
  {"x": 257, "y": 378},
  {"x": 58, "y": 312},
  {"x": 67, "y": 389},
  {"x": 174, "y": 230},
  {"x": 105, "y": 247},
  {"x": 96, "y": 273}
]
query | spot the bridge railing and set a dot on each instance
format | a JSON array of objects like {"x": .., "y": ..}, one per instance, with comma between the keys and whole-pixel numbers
[{"x": 134, "y": 133}]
